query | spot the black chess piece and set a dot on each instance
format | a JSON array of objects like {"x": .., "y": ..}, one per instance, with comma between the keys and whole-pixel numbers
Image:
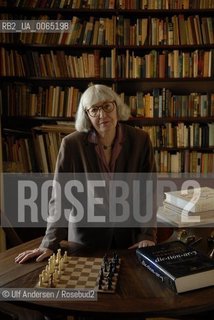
[
  {"x": 51, "y": 282},
  {"x": 100, "y": 284},
  {"x": 106, "y": 267},
  {"x": 116, "y": 259},
  {"x": 105, "y": 258},
  {"x": 109, "y": 283},
  {"x": 101, "y": 273}
]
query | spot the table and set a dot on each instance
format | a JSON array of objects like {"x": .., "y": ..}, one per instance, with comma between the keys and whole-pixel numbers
[{"x": 139, "y": 293}]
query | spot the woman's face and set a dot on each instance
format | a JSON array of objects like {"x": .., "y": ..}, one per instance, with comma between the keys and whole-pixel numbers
[{"x": 103, "y": 116}]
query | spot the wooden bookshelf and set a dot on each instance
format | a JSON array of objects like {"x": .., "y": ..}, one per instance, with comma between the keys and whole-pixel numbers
[{"x": 159, "y": 58}]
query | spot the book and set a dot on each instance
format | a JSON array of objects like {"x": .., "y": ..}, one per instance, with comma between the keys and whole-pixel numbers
[
  {"x": 168, "y": 207},
  {"x": 194, "y": 200},
  {"x": 173, "y": 219},
  {"x": 181, "y": 267}
]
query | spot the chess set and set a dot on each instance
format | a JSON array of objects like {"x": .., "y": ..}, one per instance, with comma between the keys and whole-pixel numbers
[{"x": 63, "y": 271}]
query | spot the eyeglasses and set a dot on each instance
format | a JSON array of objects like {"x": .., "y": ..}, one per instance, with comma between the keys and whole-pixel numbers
[{"x": 107, "y": 107}]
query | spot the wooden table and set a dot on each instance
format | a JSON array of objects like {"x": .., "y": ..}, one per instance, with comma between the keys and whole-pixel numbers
[{"x": 139, "y": 293}]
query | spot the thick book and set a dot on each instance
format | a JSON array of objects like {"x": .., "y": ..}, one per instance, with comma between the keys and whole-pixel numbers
[
  {"x": 194, "y": 200},
  {"x": 173, "y": 219},
  {"x": 168, "y": 207},
  {"x": 179, "y": 266}
]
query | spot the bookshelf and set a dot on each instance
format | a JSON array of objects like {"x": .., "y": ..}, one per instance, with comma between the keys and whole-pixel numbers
[{"x": 159, "y": 55}]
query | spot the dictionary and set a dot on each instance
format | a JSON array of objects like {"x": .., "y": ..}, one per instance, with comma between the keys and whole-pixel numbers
[{"x": 181, "y": 267}]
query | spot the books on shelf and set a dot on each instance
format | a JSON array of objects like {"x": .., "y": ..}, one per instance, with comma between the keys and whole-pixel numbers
[
  {"x": 159, "y": 102},
  {"x": 193, "y": 200},
  {"x": 178, "y": 64},
  {"x": 182, "y": 268},
  {"x": 112, "y": 4}
]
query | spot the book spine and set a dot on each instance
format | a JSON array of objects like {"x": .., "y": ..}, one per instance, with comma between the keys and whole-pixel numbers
[{"x": 157, "y": 271}]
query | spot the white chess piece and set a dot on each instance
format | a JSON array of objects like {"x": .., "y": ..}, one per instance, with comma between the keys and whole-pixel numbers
[{"x": 65, "y": 257}]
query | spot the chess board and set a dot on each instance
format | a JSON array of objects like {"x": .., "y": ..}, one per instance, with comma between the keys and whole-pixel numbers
[{"x": 85, "y": 273}]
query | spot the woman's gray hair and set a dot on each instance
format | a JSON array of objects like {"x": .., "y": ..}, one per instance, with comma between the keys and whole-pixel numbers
[{"x": 93, "y": 95}]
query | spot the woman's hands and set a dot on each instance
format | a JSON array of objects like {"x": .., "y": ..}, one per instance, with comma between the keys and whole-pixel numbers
[
  {"x": 41, "y": 253},
  {"x": 143, "y": 243},
  {"x": 38, "y": 253}
]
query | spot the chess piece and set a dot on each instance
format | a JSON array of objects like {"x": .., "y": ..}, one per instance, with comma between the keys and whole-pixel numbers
[
  {"x": 51, "y": 263},
  {"x": 65, "y": 257},
  {"x": 100, "y": 284},
  {"x": 61, "y": 263},
  {"x": 106, "y": 267},
  {"x": 40, "y": 281},
  {"x": 116, "y": 259},
  {"x": 105, "y": 258},
  {"x": 55, "y": 277},
  {"x": 51, "y": 282},
  {"x": 45, "y": 276},
  {"x": 58, "y": 256},
  {"x": 101, "y": 273},
  {"x": 109, "y": 283}
]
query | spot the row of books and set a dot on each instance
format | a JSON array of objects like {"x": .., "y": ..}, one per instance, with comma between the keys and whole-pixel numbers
[
  {"x": 161, "y": 102},
  {"x": 171, "y": 64},
  {"x": 35, "y": 153},
  {"x": 165, "y": 4},
  {"x": 20, "y": 99},
  {"x": 181, "y": 135},
  {"x": 175, "y": 30},
  {"x": 184, "y": 161},
  {"x": 80, "y": 31},
  {"x": 56, "y": 64},
  {"x": 18, "y": 154},
  {"x": 39, "y": 154},
  {"x": 111, "y": 4},
  {"x": 74, "y": 4}
]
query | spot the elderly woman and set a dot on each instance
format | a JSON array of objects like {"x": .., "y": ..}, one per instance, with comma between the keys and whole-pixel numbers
[{"x": 100, "y": 144}]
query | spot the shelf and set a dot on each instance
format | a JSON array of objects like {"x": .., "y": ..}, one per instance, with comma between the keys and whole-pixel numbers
[
  {"x": 61, "y": 47},
  {"x": 166, "y": 47},
  {"x": 61, "y": 80},
  {"x": 102, "y": 80},
  {"x": 177, "y": 149},
  {"x": 42, "y": 46},
  {"x": 37, "y": 118},
  {"x": 161, "y": 121},
  {"x": 132, "y": 121},
  {"x": 65, "y": 11},
  {"x": 56, "y": 11}
]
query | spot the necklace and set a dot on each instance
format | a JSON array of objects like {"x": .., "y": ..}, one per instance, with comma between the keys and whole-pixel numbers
[{"x": 107, "y": 147}]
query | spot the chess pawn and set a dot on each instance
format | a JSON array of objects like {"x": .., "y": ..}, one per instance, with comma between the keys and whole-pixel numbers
[
  {"x": 40, "y": 280},
  {"x": 51, "y": 282},
  {"x": 54, "y": 259},
  {"x": 61, "y": 263},
  {"x": 58, "y": 274},
  {"x": 44, "y": 276},
  {"x": 65, "y": 257},
  {"x": 61, "y": 267},
  {"x": 58, "y": 256},
  {"x": 55, "y": 277},
  {"x": 51, "y": 264}
]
